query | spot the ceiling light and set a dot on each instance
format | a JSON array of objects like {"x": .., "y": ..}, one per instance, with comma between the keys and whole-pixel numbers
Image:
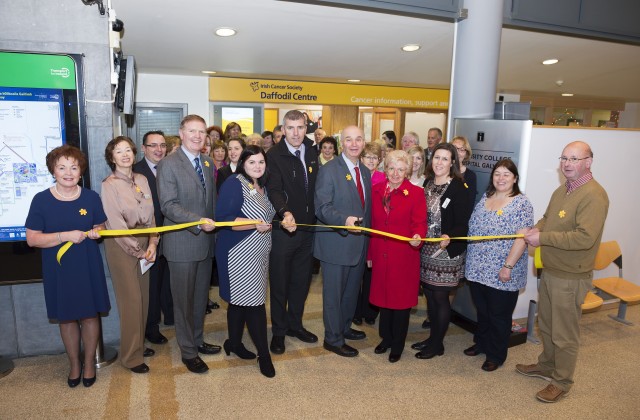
[
  {"x": 550, "y": 61},
  {"x": 567, "y": 94},
  {"x": 354, "y": 80},
  {"x": 208, "y": 72},
  {"x": 411, "y": 48},
  {"x": 226, "y": 32}
]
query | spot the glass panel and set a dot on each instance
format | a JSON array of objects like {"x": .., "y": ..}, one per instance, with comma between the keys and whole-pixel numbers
[
  {"x": 602, "y": 118},
  {"x": 568, "y": 116},
  {"x": 537, "y": 115},
  {"x": 150, "y": 118}
]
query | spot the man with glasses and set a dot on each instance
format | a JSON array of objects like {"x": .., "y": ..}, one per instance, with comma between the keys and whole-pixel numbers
[
  {"x": 569, "y": 236},
  {"x": 154, "y": 147}
]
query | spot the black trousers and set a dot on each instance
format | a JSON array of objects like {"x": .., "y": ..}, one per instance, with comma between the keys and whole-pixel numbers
[
  {"x": 495, "y": 310},
  {"x": 394, "y": 324},
  {"x": 160, "y": 300},
  {"x": 290, "y": 264},
  {"x": 255, "y": 317},
  {"x": 365, "y": 309}
]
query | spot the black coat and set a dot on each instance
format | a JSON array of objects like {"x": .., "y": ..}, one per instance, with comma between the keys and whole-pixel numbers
[{"x": 142, "y": 168}]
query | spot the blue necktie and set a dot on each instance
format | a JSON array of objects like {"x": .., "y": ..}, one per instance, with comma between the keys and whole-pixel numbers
[{"x": 199, "y": 171}]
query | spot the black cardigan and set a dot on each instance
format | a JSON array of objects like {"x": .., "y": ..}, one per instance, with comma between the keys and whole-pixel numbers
[{"x": 455, "y": 216}]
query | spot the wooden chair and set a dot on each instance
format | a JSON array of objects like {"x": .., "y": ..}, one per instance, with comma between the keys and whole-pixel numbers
[{"x": 617, "y": 287}]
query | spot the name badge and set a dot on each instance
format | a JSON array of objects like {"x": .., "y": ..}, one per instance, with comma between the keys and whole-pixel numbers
[
  {"x": 147, "y": 196},
  {"x": 446, "y": 203}
]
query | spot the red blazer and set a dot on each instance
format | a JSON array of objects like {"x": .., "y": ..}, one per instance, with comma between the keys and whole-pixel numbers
[{"x": 396, "y": 264}]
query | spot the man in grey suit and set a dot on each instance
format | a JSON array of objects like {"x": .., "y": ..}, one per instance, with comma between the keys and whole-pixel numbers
[
  {"x": 342, "y": 197},
  {"x": 187, "y": 193}
]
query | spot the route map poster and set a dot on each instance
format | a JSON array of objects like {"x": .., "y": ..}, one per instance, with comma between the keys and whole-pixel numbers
[{"x": 38, "y": 107}]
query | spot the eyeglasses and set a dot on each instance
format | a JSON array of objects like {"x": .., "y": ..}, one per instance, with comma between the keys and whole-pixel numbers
[
  {"x": 571, "y": 159},
  {"x": 370, "y": 157},
  {"x": 156, "y": 145}
]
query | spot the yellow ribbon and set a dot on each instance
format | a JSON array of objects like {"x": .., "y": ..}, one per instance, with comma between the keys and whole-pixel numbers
[
  {"x": 160, "y": 229},
  {"x": 405, "y": 238},
  {"x": 537, "y": 258}
]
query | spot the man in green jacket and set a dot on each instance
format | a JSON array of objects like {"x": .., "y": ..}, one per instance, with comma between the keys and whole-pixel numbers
[{"x": 569, "y": 236}]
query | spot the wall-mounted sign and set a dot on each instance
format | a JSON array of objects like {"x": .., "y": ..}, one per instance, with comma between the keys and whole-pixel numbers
[{"x": 226, "y": 89}]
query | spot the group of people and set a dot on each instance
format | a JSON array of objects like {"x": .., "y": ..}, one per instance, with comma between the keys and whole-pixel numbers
[{"x": 292, "y": 203}]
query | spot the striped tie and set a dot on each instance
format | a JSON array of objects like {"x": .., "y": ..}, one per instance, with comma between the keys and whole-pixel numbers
[{"x": 199, "y": 171}]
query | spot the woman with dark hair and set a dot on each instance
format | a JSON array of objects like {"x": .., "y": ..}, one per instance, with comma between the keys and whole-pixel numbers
[
  {"x": 328, "y": 149},
  {"x": 267, "y": 140},
  {"x": 242, "y": 285},
  {"x": 442, "y": 263},
  {"x": 219, "y": 154},
  {"x": 497, "y": 269},
  {"x": 215, "y": 133},
  {"x": 464, "y": 155},
  {"x": 232, "y": 130},
  {"x": 126, "y": 198},
  {"x": 75, "y": 291},
  {"x": 390, "y": 138},
  {"x": 235, "y": 146}
]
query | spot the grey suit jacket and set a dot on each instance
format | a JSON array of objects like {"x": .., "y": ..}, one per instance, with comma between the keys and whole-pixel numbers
[
  {"x": 182, "y": 200},
  {"x": 336, "y": 198}
]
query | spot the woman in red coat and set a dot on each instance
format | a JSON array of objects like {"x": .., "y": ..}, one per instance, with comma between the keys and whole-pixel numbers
[{"x": 397, "y": 207}]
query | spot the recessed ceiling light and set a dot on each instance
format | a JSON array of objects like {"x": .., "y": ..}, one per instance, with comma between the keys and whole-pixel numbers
[
  {"x": 411, "y": 48},
  {"x": 208, "y": 72},
  {"x": 550, "y": 61},
  {"x": 567, "y": 94},
  {"x": 353, "y": 80},
  {"x": 226, "y": 32}
]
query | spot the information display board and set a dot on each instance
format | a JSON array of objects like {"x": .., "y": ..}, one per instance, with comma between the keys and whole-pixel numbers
[{"x": 39, "y": 111}]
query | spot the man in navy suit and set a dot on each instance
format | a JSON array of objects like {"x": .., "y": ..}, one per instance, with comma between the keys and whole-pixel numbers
[
  {"x": 187, "y": 193},
  {"x": 155, "y": 148},
  {"x": 342, "y": 197}
]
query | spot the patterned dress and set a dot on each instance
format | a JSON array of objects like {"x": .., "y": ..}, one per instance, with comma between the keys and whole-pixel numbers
[
  {"x": 243, "y": 256},
  {"x": 485, "y": 258},
  {"x": 439, "y": 270}
]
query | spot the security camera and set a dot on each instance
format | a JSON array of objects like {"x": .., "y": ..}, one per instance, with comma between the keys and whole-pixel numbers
[
  {"x": 117, "y": 25},
  {"x": 559, "y": 83}
]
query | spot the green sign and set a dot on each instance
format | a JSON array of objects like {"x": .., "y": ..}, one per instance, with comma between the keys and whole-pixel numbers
[{"x": 37, "y": 71}]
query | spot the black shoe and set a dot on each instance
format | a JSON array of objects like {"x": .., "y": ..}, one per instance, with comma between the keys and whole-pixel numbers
[
  {"x": 394, "y": 357},
  {"x": 207, "y": 311},
  {"x": 420, "y": 345},
  {"x": 169, "y": 322},
  {"x": 381, "y": 348},
  {"x": 303, "y": 335},
  {"x": 370, "y": 321},
  {"x": 156, "y": 338},
  {"x": 428, "y": 354},
  {"x": 74, "y": 382},
  {"x": 357, "y": 321},
  {"x": 266, "y": 367},
  {"x": 355, "y": 335},
  {"x": 196, "y": 365},
  {"x": 277, "y": 344},
  {"x": 141, "y": 368},
  {"x": 472, "y": 351},
  {"x": 490, "y": 366},
  {"x": 87, "y": 382},
  {"x": 148, "y": 352},
  {"x": 240, "y": 350},
  {"x": 206, "y": 348},
  {"x": 212, "y": 305},
  {"x": 426, "y": 324},
  {"x": 344, "y": 350}
]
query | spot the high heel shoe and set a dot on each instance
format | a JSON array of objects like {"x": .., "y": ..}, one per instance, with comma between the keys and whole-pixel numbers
[
  {"x": 74, "y": 382},
  {"x": 420, "y": 345},
  {"x": 266, "y": 367},
  {"x": 87, "y": 382},
  {"x": 240, "y": 350}
]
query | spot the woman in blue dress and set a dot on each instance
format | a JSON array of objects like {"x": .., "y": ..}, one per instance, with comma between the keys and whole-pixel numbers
[
  {"x": 75, "y": 291},
  {"x": 497, "y": 269},
  {"x": 242, "y": 253}
]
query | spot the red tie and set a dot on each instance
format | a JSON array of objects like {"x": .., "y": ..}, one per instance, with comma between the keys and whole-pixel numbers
[{"x": 359, "y": 185}]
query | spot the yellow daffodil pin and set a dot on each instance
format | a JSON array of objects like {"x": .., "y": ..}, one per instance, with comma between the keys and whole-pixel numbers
[
  {"x": 499, "y": 212},
  {"x": 348, "y": 177},
  {"x": 562, "y": 213},
  {"x": 405, "y": 192},
  {"x": 206, "y": 163},
  {"x": 83, "y": 212},
  {"x": 310, "y": 169},
  {"x": 137, "y": 189},
  {"x": 465, "y": 185}
]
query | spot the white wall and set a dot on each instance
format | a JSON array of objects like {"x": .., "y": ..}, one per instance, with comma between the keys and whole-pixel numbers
[
  {"x": 192, "y": 90},
  {"x": 630, "y": 117},
  {"x": 615, "y": 153},
  {"x": 421, "y": 122}
]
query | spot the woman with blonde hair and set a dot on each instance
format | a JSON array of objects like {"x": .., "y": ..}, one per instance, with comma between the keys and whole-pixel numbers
[{"x": 417, "y": 176}]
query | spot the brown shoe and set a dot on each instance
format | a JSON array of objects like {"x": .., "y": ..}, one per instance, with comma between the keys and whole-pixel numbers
[
  {"x": 551, "y": 394},
  {"x": 533, "y": 371}
]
